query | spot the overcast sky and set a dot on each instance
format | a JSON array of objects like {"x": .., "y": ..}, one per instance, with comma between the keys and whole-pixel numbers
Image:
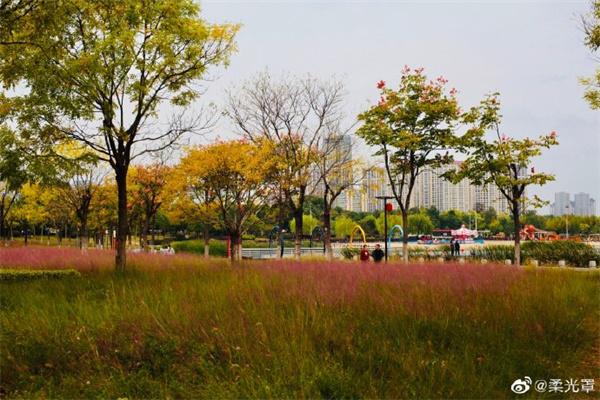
[{"x": 530, "y": 52}]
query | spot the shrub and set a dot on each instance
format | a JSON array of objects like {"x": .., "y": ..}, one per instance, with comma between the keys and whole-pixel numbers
[
  {"x": 349, "y": 252},
  {"x": 217, "y": 248},
  {"x": 577, "y": 254},
  {"x": 16, "y": 275},
  {"x": 429, "y": 253},
  {"x": 493, "y": 253}
]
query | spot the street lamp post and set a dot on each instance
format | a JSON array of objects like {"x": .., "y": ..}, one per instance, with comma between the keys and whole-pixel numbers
[
  {"x": 385, "y": 210},
  {"x": 567, "y": 224}
]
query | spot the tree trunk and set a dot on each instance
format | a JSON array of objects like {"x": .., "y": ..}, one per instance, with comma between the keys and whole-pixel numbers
[
  {"x": 83, "y": 234},
  {"x": 299, "y": 231},
  {"x": 327, "y": 232},
  {"x": 279, "y": 241},
  {"x": 153, "y": 230},
  {"x": 2, "y": 223},
  {"x": 145, "y": 227},
  {"x": 517, "y": 229},
  {"x": 206, "y": 241},
  {"x": 235, "y": 247},
  {"x": 404, "y": 236},
  {"x": 120, "y": 259}
]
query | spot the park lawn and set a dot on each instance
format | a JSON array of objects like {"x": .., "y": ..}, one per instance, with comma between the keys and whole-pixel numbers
[{"x": 184, "y": 328}]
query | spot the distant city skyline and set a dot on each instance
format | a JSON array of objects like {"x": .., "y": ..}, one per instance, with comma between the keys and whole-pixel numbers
[
  {"x": 582, "y": 204},
  {"x": 530, "y": 52}
]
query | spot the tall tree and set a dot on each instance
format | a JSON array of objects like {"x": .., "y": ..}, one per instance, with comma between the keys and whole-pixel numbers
[
  {"x": 148, "y": 183},
  {"x": 411, "y": 127},
  {"x": 339, "y": 172},
  {"x": 238, "y": 175},
  {"x": 190, "y": 197},
  {"x": 78, "y": 190},
  {"x": 297, "y": 114},
  {"x": 503, "y": 161},
  {"x": 590, "y": 22},
  {"x": 97, "y": 72}
]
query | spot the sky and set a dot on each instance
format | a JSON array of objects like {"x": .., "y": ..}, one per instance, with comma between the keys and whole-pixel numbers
[{"x": 532, "y": 52}]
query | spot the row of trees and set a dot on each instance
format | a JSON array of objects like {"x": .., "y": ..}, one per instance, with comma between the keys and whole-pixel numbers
[{"x": 96, "y": 74}]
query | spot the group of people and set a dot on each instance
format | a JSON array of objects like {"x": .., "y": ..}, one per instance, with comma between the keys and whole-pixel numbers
[
  {"x": 454, "y": 247},
  {"x": 377, "y": 255}
]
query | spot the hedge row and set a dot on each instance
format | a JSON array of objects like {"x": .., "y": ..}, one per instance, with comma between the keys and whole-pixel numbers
[
  {"x": 217, "y": 248},
  {"x": 577, "y": 254},
  {"x": 15, "y": 275}
]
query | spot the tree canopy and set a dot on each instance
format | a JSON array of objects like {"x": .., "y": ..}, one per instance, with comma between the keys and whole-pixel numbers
[
  {"x": 96, "y": 72},
  {"x": 410, "y": 127}
]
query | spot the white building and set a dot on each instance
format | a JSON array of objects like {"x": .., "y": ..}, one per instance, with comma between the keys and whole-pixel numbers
[
  {"x": 581, "y": 204},
  {"x": 432, "y": 190},
  {"x": 562, "y": 203}
]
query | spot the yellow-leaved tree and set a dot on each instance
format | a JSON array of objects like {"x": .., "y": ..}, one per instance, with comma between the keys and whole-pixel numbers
[{"x": 236, "y": 177}]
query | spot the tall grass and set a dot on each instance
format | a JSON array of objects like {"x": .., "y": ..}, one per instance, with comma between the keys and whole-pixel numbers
[
  {"x": 301, "y": 330},
  {"x": 92, "y": 260}
]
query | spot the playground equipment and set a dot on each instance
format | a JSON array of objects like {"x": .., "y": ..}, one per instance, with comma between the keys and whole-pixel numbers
[
  {"x": 394, "y": 228},
  {"x": 361, "y": 231},
  {"x": 530, "y": 232},
  {"x": 319, "y": 230}
]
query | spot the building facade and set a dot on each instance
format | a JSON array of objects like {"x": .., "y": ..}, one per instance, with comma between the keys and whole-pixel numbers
[
  {"x": 562, "y": 203},
  {"x": 582, "y": 204}
]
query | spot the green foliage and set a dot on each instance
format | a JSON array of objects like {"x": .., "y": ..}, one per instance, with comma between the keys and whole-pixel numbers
[
  {"x": 350, "y": 252},
  {"x": 308, "y": 224},
  {"x": 343, "y": 226},
  {"x": 369, "y": 225},
  {"x": 420, "y": 224},
  {"x": 314, "y": 205},
  {"x": 393, "y": 219},
  {"x": 497, "y": 253},
  {"x": 17, "y": 275},
  {"x": 503, "y": 162},
  {"x": 97, "y": 72},
  {"x": 591, "y": 27},
  {"x": 409, "y": 126},
  {"x": 576, "y": 254},
  {"x": 217, "y": 248}
]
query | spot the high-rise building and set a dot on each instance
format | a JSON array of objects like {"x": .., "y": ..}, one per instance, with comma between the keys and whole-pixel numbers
[
  {"x": 581, "y": 204},
  {"x": 433, "y": 190},
  {"x": 562, "y": 203}
]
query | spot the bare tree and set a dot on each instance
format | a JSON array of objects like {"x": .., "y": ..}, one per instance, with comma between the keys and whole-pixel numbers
[
  {"x": 339, "y": 171},
  {"x": 297, "y": 114}
]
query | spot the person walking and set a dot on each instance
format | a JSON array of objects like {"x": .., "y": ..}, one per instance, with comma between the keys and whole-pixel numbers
[
  {"x": 452, "y": 247},
  {"x": 456, "y": 248},
  {"x": 364, "y": 254},
  {"x": 377, "y": 254}
]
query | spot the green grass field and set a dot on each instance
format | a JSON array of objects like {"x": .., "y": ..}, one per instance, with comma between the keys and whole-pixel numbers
[{"x": 180, "y": 328}]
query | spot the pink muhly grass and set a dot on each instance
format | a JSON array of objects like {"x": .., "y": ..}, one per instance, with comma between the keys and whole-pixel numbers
[
  {"x": 339, "y": 282},
  {"x": 90, "y": 260}
]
